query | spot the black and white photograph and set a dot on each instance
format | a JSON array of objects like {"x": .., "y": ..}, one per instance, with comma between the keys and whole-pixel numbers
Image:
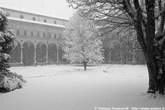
[{"x": 82, "y": 54}]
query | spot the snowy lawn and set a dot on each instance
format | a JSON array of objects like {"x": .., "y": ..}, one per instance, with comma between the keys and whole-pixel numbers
[{"x": 64, "y": 87}]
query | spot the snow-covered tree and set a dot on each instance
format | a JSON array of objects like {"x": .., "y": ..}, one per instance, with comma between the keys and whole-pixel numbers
[
  {"x": 6, "y": 42},
  {"x": 81, "y": 41},
  {"x": 8, "y": 80}
]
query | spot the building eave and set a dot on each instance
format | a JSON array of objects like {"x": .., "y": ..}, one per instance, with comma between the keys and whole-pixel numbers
[{"x": 36, "y": 22}]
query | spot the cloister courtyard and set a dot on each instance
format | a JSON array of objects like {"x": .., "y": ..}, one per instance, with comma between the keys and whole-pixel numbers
[{"x": 69, "y": 87}]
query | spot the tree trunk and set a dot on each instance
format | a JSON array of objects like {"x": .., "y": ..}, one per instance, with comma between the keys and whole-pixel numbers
[
  {"x": 156, "y": 69},
  {"x": 150, "y": 55},
  {"x": 154, "y": 57},
  {"x": 85, "y": 65},
  {"x": 146, "y": 38},
  {"x": 155, "y": 60},
  {"x": 152, "y": 67}
]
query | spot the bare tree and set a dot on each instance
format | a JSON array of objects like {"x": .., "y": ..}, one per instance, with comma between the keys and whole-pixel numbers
[{"x": 145, "y": 17}]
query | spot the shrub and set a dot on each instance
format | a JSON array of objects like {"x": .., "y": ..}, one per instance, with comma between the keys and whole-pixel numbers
[{"x": 8, "y": 81}]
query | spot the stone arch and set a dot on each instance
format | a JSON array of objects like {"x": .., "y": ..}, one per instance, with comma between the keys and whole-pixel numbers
[
  {"x": 16, "y": 54},
  {"x": 52, "y": 53},
  {"x": 40, "y": 52},
  {"x": 28, "y": 53}
]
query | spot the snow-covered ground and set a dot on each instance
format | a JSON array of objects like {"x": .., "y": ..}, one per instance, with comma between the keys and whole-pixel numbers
[{"x": 64, "y": 87}]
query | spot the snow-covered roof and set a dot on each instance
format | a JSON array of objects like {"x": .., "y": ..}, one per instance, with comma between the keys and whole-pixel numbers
[{"x": 36, "y": 22}]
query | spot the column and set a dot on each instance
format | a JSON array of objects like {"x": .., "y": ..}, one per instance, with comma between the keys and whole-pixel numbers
[
  {"x": 21, "y": 52},
  {"x": 35, "y": 46},
  {"x": 57, "y": 54},
  {"x": 47, "y": 52}
]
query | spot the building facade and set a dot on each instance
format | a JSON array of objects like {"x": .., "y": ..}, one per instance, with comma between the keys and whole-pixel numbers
[
  {"x": 37, "y": 38},
  {"x": 38, "y": 41}
]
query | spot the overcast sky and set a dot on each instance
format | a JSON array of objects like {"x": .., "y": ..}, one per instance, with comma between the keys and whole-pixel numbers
[{"x": 55, "y": 8}]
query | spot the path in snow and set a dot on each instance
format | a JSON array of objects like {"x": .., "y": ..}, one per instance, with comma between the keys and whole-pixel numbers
[{"x": 70, "y": 88}]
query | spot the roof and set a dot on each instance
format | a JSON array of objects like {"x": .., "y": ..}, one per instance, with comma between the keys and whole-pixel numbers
[
  {"x": 33, "y": 13},
  {"x": 36, "y": 22}
]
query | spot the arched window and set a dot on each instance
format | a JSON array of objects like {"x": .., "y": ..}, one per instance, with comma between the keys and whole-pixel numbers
[
  {"x": 32, "y": 33},
  {"x": 54, "y": 36},
  {"x": 25, "y": 33},
  {"x": 18, "y": 32},
  {"x": 49, "y": 35},
  {"x": 33, "y": 18},
  {"x": 45, "y": 20},
  {"x": 21, "y": 16},
  {"x": 38, "y": 33},
  {"x": 44, "y": 35}
]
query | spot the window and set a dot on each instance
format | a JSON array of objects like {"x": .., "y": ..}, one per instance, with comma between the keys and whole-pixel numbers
[
  {"x": 25, "y": 33},
  {"x": 21, "y": 16},
  {"x": 49, "y": 35},
  {"x": 38, "y": 33},
  {"x": 33, "y": 18},
  {"x": 43, "y": 34},
  {"x": 32, "y": 33},
  {"x": 18, "y": 32},
  {"x": 54, "y": 36},
  {"x": 45, "y": 20}
]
